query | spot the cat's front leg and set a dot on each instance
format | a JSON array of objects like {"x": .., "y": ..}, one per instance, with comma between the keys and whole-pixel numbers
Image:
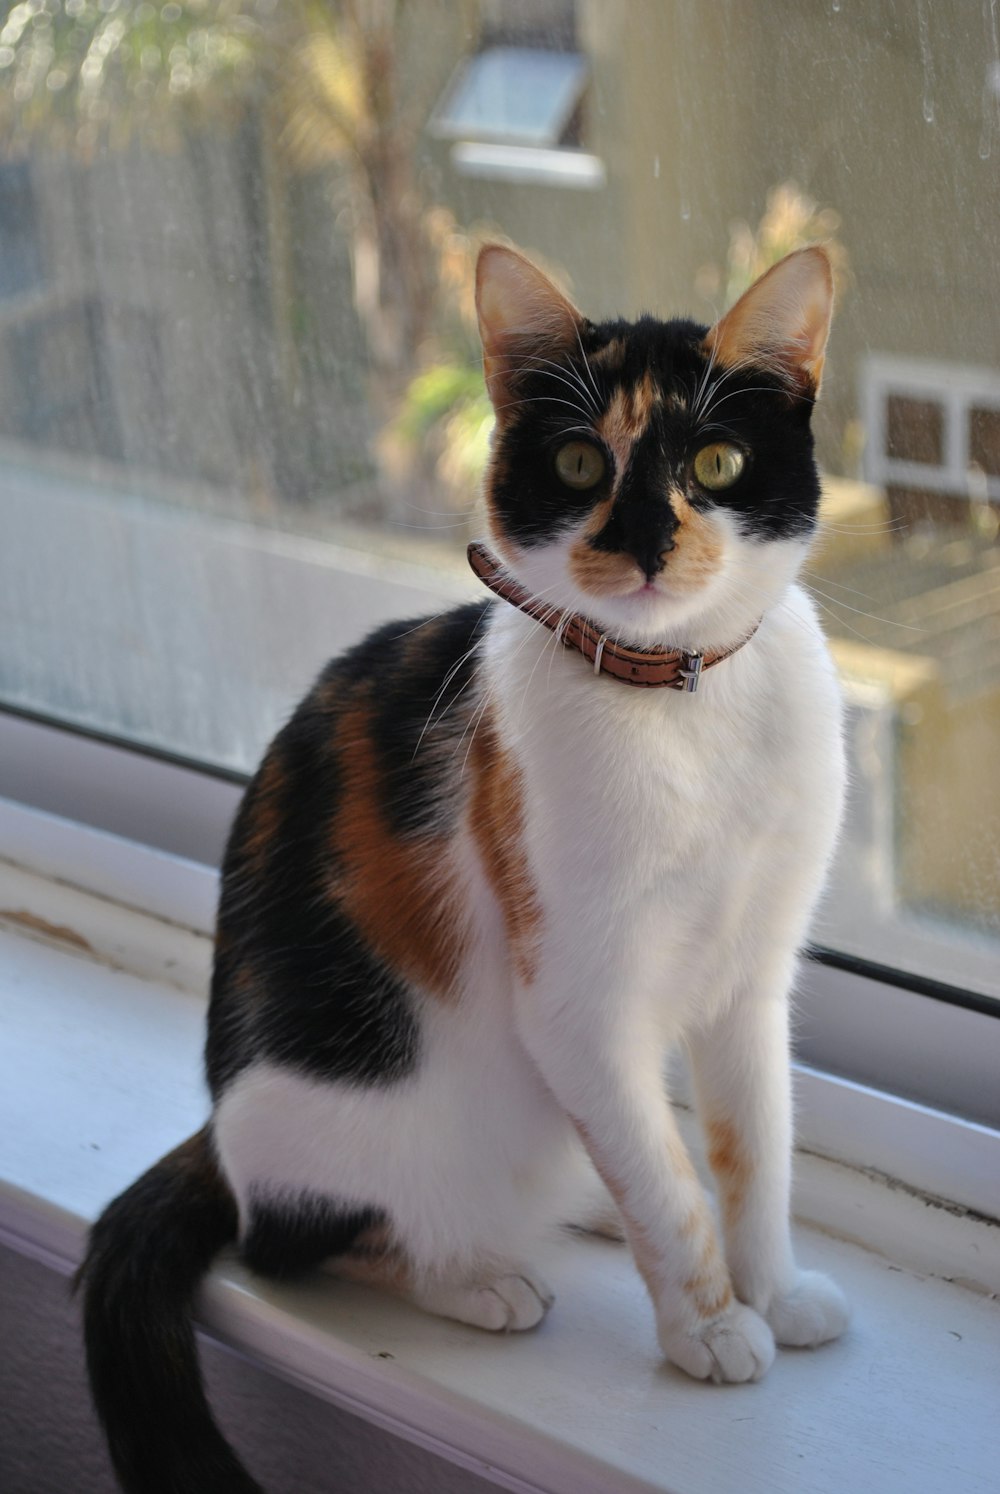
[
  {"x": 742, "y": 1082},
  {"x": 607, "y": 1076}
]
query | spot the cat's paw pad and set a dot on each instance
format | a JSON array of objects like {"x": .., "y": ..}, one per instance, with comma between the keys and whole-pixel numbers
[
  {"x": 512, "y": 1303},
  {"x": 814, "y": 1311},
  {"x": 731, "y": 1349}
]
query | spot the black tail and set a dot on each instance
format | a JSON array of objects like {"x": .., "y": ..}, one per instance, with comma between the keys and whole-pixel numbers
[{"x": 147, "y": 1254}]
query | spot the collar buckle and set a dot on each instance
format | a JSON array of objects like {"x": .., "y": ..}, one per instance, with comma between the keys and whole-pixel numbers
[{"x": 690, "y": 670}]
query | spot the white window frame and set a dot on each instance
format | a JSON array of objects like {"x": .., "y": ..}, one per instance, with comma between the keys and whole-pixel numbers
[{"x": 957, "y": 388}]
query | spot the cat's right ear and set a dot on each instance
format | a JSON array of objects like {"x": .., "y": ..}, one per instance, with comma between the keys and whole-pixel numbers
[
  {"x": 523, "y": 319},
  {"x": 781, "y": 323}
]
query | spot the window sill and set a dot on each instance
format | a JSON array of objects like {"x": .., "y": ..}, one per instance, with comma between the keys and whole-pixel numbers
[{"x": 102, "y": 1057}]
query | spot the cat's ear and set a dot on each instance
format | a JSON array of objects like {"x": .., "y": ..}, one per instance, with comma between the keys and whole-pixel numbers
[
  {"x": 523, "y": 318},
  {"x": 782, "y": 322}
]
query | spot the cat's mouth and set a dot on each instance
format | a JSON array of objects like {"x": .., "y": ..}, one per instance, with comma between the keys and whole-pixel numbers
[
  {"x": 638, "y": 590},
  {"x": 647, "y": 588}
]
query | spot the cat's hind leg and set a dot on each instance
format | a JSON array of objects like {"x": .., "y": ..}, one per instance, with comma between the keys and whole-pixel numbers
[
  {"x": 289, "y": 1237},
  {"x": 504, "y": 1303},
  {"x": 500, "y": 1301}
]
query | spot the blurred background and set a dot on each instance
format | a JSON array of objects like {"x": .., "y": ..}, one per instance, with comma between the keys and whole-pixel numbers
[{"x": 241, "y": 406}]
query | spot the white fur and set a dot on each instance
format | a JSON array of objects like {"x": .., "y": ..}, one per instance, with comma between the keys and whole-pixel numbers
[{"x": 678, "y": 843}]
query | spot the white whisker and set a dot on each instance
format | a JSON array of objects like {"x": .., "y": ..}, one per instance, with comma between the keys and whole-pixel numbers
[
  {"x": 875, "y": 617},
  {"x": 587, "y": 368}
]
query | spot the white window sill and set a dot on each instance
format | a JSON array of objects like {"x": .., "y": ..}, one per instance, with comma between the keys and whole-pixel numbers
[{"x": 99, "y": 1074}]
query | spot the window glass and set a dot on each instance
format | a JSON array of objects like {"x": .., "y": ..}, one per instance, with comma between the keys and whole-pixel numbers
[{"x": 241, "y": 408}]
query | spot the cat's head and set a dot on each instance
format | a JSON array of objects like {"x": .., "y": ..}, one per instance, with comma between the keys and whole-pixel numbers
[{"x": 657, "y": 477}]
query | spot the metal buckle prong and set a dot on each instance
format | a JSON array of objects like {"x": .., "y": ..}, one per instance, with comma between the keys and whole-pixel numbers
[
  {"x": 690, "y": 670},
  {"x": 600, "y": 650}
]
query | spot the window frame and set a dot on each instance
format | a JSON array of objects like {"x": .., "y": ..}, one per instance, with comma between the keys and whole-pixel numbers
[{"x": 957, "y": 388}]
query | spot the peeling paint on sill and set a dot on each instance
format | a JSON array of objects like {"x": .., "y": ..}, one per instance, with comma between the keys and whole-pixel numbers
[{"x": 60, "y": 932}]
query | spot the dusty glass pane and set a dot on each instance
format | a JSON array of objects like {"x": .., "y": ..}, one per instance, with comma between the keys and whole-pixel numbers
[{"x": 235, "y": 325}]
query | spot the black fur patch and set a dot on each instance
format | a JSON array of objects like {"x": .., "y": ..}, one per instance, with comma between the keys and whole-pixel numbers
[
  {"x": 286, "y": 1239},
  {"x": 294, "y": 980}
]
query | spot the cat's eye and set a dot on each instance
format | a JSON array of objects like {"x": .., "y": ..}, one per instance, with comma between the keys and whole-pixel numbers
[
  {"x": 579, "y": 464},
  {"x": 719, "y": 465}
]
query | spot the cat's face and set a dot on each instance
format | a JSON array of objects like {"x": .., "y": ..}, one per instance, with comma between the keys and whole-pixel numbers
[{"x": 656, "y": 476}]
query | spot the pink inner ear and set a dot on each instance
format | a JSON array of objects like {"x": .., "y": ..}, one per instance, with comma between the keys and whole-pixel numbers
[
  {"x": 782, "y": 322},
  {"x": 519, "y": 307}
]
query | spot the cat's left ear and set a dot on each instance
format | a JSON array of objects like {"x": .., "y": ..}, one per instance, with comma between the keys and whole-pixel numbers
[
  {"x": 523, "y": 318},
  {"x": 782, "y": 322}
]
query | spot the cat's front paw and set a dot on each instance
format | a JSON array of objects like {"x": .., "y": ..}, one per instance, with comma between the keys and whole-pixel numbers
[
  {"x": 730, "y": 1349},
  {"x": 814, "y": 1311}
]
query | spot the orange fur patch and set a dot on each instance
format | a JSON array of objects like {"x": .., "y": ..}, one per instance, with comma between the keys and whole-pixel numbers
[
  {"x": 710, "y": 1288},
  {"x": 265, "y": 818},
  {"x": 698, "y": 549},
  {"x": 625, "y": 419},
  {"x": 610, "y": 358},
  {"x": 710, "y": 1293},
  {"x": 731, "y": 1165},
  {"x": 401, "y": 893},
  {"x": 496, "y": 817},
  {"x": 375, "y": 1259},
  {"x": 602, "y": 572}
]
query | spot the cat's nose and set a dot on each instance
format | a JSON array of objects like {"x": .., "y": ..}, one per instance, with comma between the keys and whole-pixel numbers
[{"x": 653, "y": 560}]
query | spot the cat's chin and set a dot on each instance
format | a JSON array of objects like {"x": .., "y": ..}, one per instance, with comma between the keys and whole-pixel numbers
[
  {"x": 649, "y": 616},
  {"x": 649, "y": 613}
]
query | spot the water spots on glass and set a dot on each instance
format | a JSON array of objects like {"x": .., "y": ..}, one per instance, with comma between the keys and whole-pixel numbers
[
  {"x": 991, "y": 86},
  {"x": 927, "y": 59}
]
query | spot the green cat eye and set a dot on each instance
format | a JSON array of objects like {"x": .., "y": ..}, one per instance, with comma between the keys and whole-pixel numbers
[
  {"x": 719, "y": 465},
  {"x": 579, "y": 465}
]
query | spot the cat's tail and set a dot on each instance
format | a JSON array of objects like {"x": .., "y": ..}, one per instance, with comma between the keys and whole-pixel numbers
[{"x": 146, "y": 1256}]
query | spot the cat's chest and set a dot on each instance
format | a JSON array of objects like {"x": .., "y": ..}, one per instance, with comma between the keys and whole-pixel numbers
[
  {"x": 655, "y": 788},
  {"x": 643, "y": 786}
]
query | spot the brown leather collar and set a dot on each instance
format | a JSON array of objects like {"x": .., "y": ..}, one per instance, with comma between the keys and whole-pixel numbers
[{"x": 649, "y": 668}]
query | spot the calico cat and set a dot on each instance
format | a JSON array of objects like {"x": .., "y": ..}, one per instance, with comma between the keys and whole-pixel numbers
[{"x": 500, "y": 862}]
